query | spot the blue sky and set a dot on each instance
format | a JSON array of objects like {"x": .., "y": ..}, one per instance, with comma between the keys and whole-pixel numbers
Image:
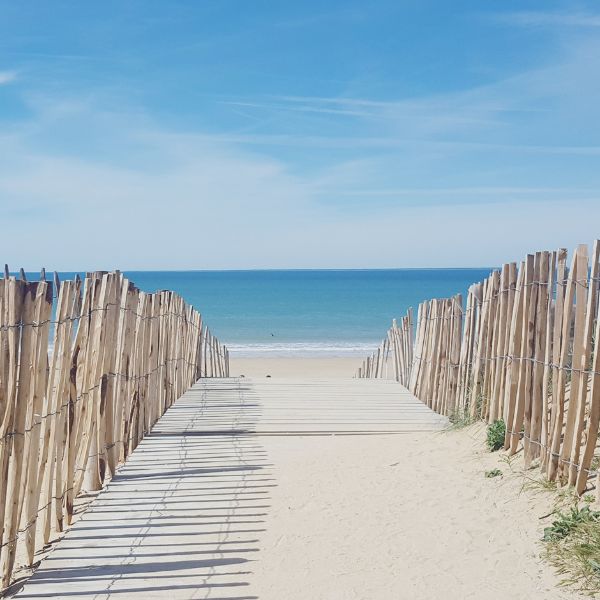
[{"x": 229, "y": 134}]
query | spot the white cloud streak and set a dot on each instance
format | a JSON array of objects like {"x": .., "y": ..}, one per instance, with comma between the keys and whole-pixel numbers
[
  {"x": 7, "y": 77},
  {"x": 206, "y": 206},
  {"x": 520, "y": 111},
  {"x": 550, "y": 19}
]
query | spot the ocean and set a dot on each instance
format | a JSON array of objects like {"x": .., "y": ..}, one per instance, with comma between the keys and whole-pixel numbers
[{"x": 305, "y": 312}]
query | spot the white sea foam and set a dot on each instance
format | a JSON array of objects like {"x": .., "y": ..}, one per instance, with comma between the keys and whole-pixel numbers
[{"x": 303, "y": 349}]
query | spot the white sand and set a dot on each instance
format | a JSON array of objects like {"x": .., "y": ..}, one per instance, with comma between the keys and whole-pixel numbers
[
  {"x": 295, "y": 367},
  {"x": 407, "y": 516},
  {"x": 398, "y": 517}
]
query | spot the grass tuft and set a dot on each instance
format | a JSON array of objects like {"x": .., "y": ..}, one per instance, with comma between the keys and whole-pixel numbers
[
  {"x": 493, "y": 473},
  {"x": 568, "y": 521},
  {"x": 460, "y": 418},
  {"x": 535, "y": 484},
  {"x": 572, "y": 546}
]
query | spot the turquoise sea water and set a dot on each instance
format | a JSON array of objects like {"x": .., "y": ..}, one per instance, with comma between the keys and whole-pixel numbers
[{"x": 305, "y": 312}]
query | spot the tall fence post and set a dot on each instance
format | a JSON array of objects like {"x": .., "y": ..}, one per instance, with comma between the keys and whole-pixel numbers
[
  {"x": 525, "y": 350},
  {"x": 70, "y": 413}
]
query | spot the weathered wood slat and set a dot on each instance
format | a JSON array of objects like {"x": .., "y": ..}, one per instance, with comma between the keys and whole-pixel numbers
[
  {"x": 525, "y": 351},
  {"x": 119, "y": 358}
]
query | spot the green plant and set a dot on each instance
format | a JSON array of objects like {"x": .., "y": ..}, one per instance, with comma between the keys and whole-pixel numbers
[
  {"x": 493, "y": 473},
  {"x": 567, "y": 522},
  {"x": 589, "y": 498},
  {"x": 495, "y": 435},
  {"x": 572, "y": 545}
]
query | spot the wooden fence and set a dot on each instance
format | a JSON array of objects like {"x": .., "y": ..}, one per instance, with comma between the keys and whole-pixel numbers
[
  {"x": 71, "y": 412},
  {"x": 397, "y": 346},
  {"x": 524, "y": 350}
]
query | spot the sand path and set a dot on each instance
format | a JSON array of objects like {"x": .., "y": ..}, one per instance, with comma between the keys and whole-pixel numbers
[
  {"x": 284, "y": 488},
  {"x": 405, "y": 517}
]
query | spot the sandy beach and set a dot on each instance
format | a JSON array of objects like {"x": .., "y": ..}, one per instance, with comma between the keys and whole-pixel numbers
[
  {"x": 295, "y": 367},
  {"x": 408, "y": 516},
  {"x": 346, "y": 490},
  {"x": 300, "y": 300}
]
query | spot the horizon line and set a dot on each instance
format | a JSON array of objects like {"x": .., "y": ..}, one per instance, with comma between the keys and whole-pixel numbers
[{"x": 264, "y": 269}]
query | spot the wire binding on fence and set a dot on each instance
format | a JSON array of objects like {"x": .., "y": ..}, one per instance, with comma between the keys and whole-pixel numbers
[
  {"x": 95, "y": 346},
  {"x": 499, "y": 356}
]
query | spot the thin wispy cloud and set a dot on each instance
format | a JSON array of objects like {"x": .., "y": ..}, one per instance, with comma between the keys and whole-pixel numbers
[
  {"x": 548, "y": 18},
  {"x": 392, "y": 143},
  {"x": 518, "y": 112},
  {"x": 542, "y": 192},
  {"x": 306, "y": 107},
  {"x": 185, "y": 192},
  {"x": 7, "y": 77}
]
